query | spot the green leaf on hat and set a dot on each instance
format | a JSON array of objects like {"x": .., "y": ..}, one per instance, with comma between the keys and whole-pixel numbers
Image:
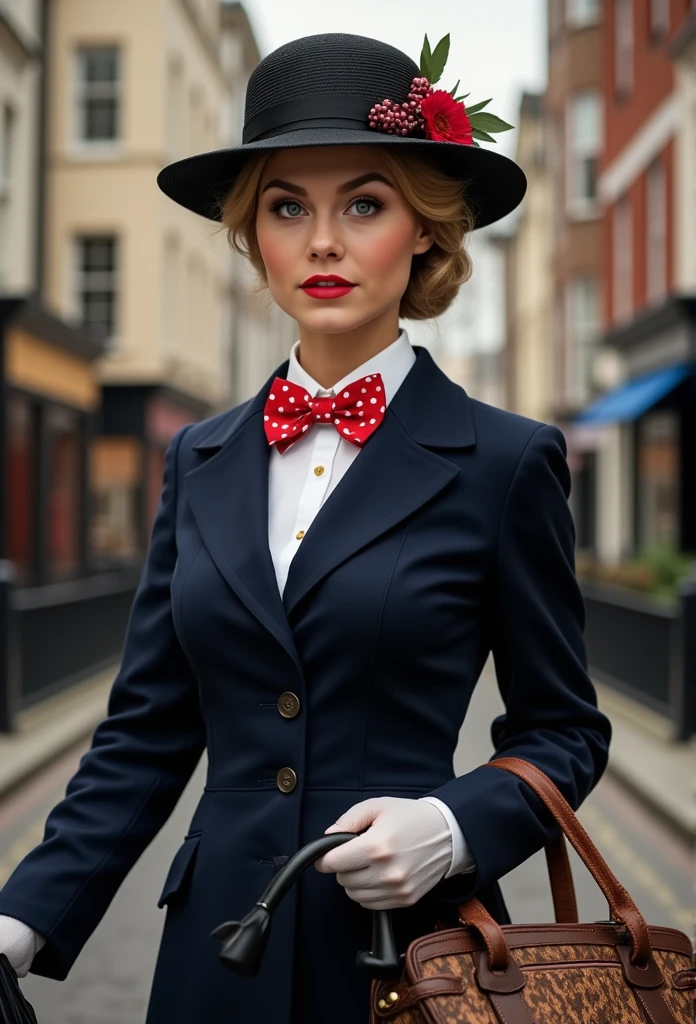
[
  {"x": 452, "y": 91},
  {"x": 425, "y": 58},
  {"x": 477, "y": 106},
  {"x": 439, "y": 59},
  {"x": 490, "y": 123},
  {"x": 483, "y": 136},
  {"x": 458, "y": 98}
]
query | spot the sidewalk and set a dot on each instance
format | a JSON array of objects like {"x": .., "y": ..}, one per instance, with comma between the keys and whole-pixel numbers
[
  {"x": 54, "y": 725},
  {"x": 661, "y": 773}
]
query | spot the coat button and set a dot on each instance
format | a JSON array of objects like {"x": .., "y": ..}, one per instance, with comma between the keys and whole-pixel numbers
[
  {"x": 288, "y": 704},
  {"x": 286, "y": 780}
]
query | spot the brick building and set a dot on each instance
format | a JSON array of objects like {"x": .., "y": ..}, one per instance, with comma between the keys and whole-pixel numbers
[{"x": 644, "y": 429}]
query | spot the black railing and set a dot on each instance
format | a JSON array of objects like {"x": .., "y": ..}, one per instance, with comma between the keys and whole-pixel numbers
[
  {"x": 644, "y": 648},
  {"x": 64, "y": 632}
]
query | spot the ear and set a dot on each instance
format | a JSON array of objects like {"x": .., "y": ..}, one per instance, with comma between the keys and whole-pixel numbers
[{"x": 424, "y": 240}]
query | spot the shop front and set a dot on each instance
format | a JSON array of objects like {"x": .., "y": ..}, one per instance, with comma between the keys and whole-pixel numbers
[
  {"x": 654, "y": 413},
  {"x": 60, "y": 619},
  {"x": 137, "y": 423}
]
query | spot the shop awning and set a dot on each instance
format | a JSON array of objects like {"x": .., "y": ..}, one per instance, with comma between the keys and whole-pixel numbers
[{"x": 632, "y": 399}]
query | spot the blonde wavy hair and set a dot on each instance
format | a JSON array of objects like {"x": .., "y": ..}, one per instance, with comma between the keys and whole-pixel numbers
[{"x": 439, "y": 202}]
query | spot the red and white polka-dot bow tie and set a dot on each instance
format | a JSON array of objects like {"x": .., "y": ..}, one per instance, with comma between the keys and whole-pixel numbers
[{"x": 356, "y": 411}]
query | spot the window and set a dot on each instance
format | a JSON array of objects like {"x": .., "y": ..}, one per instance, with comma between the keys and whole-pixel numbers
[
  {"x": 555, "y": 18},
  {"x": 624, "y": 47},
  {"x": 622, "y": 259},
  {"x": 172, "y": 296},
  {"x": 7, "y": 160},
  {"x": 582, "y": 330},
  {"x": 97, "y": 282},
  {"x": 583, "y": 12},
  {"x": 656, "y": 247},
  {"x": 196, "y": 123},
  {"x": 658, "y": 478},
  {"x": 584, "y": 145},
  {"x": 175, "y": 105},
  {"x": 64, "y": 488},
  {"x": 115, "y": 476},
  {"x": 21, "y": 466},
  {"x": 98, "y": 94},
  {"x": 659, "y": 18}
]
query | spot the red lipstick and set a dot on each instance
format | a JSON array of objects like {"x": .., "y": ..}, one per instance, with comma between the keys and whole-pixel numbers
[{"x": 334, "y": 288}]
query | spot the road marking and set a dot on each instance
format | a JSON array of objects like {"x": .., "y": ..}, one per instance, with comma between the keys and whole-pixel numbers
[{"x": 609, "y": 839}]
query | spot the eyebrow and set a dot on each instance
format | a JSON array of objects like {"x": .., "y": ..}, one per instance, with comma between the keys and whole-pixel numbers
[{"x": 353, "y": 183}]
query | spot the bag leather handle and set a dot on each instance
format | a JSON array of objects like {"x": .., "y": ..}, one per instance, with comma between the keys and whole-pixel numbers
[
  {"x": 621, "y": 906},
  {"x": 565, "y": 904}
]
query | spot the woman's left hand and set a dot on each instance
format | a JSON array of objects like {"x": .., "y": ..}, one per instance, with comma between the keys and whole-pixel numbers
[{"x": 406, "y": 850}]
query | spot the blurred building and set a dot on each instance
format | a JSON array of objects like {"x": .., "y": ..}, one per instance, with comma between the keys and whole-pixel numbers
[
  {"x": 122, "y": 315},
  {"x": 21, "y": 52},
  {"x": 134, "y": 86},
  {"x": 575, "y": 134},
  {"x": 683, "y": 50},
  {"x": 529, "y": 351},
  {"x": 645, "y": 427},
  {"x": 50, "y": 392},
  {"x": 467, "y": 341}
]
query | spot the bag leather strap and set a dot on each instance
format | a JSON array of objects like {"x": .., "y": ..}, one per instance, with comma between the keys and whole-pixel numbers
[
  {"x": 407, "y": 995},
  {"x": 565, "y": 904},
  {"x": 621, "y": 906}
]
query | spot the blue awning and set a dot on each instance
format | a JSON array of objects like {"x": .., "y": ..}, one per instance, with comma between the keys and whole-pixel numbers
[{"x": 632, "y": 399}]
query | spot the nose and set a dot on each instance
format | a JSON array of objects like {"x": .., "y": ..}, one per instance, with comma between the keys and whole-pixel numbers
[{"x": 324, "y": 241}]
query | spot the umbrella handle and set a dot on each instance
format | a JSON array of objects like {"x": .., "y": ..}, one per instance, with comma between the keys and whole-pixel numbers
[{"x": 244, "y": 942}]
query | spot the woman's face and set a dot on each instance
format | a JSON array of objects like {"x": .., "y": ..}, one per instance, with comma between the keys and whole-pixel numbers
[{"x": 324, "y": 211}]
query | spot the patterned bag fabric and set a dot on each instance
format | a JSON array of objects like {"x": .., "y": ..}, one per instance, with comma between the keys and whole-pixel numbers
[{"x": 620, "y": 972}]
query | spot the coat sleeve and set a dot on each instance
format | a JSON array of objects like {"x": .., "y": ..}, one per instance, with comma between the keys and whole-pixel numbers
[
  {"x": 127, "y": 784},
  {"x": 536, "y": 621}
]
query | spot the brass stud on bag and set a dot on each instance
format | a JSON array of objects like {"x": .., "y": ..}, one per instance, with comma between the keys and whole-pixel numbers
[{"x": 392, "y": 998}]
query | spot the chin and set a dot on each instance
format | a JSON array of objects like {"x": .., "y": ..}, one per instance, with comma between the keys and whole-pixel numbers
[{"x": 335, "y": 321}]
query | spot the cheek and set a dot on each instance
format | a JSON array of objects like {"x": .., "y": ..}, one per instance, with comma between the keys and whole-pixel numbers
[
  {"x": 276, "y": 253},
  {"x": 389, "y": 253}
]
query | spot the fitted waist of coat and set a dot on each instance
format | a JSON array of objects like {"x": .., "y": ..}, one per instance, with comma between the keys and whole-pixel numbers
[{"x": 271, "y": 784}]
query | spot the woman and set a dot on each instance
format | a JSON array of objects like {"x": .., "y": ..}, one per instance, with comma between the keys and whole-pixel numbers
[{"x": 314, "y": 615}]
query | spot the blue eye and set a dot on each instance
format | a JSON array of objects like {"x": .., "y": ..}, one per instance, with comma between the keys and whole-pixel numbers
[
  {"x": 277, "y": 203},
  {"x": 368, "y": 201},
  {"x": 288, "y": 202}
]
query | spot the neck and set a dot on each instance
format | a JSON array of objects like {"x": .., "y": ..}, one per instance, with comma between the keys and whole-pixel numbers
[{"x": 329, "y": 358}]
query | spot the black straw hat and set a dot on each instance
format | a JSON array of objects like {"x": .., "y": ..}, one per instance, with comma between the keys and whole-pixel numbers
[{"x": 318, "y": 91}]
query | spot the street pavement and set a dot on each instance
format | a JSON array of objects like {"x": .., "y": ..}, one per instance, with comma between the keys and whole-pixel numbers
[{"x": 109, "y": 983}]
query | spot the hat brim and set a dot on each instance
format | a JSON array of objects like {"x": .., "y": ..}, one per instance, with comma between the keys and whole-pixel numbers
[{"x": 495, "y": 184}]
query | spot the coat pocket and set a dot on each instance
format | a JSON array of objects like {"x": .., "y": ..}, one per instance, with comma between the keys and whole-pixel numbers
[{"x": 180, "y": 868}]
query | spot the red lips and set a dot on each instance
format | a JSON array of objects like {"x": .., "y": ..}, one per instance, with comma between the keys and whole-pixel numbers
[{"x": 315, "y": 278}]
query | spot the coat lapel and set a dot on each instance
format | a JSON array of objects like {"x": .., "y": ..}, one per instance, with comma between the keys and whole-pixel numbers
[
  {"x": 394, "y": 475},
  {"x": 228, "y": 494}
]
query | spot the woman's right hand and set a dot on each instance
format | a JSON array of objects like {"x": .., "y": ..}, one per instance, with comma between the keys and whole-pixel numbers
[{"x": 19, "y": 943}]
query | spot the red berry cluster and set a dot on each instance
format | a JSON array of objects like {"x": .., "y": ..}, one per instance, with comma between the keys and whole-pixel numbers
[{"x": 401, "y": 118}]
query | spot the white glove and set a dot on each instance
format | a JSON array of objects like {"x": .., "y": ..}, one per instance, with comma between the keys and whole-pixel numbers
[
  {"x": 19, "y": 943},
  {"x": 406, "y": 850}
]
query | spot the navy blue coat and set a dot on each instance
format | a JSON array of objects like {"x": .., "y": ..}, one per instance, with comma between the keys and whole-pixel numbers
[{"x": 450, "y": 536}]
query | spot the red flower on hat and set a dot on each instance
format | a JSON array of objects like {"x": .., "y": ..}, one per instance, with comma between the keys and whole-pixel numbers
[{"x": 446, "y": 120}]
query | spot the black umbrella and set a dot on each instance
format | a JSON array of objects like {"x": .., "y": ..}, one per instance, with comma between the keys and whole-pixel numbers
[
  {"x": 244, "y": 942},
  {"x": 14, "y": 1007}
]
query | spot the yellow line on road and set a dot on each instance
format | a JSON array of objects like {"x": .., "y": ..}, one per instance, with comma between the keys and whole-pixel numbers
[{"x": 612, "y": 843}]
